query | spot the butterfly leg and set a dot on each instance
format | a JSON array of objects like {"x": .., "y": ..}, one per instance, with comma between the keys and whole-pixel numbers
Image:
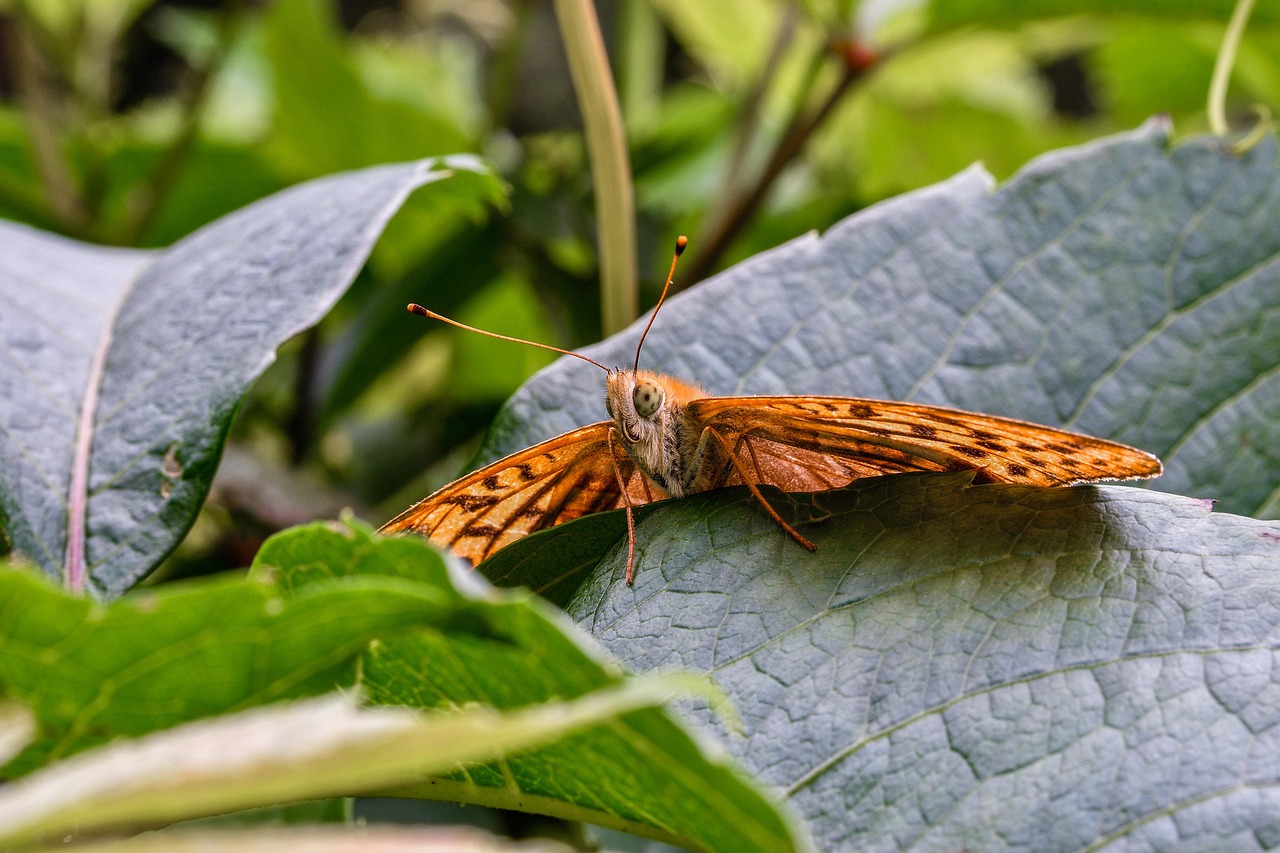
[
  {"x": 614, "y": 443},
  {"x": 751, "y": 484}
]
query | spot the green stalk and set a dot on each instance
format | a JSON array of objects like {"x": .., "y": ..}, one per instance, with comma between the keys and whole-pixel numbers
[
  {"x": 640, "y": 59},
  {"x": 610, "y": 164},
  {"x": 1222, "y": 67}
]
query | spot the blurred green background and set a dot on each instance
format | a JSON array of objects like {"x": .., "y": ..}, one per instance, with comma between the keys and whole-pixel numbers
[{"x": 748, "y": 122}]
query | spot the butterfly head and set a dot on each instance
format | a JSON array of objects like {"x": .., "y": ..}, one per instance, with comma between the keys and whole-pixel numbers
[{"x": 635, "y": 401}]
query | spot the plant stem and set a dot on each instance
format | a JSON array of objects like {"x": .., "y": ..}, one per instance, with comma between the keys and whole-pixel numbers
[
  {"x": 749, "y": 121},
  {"x": 1222, "y": 67},
  {"x": 505, "y": 66},
  {"x": 299, "y": 426},
  {"x": 63, "y": 198},
  {"x": 640, "y": 60},
  {"x": 610, "y": 164},
  {"x": 801, "y": 127},
  {"x": 165, "y": 175}
]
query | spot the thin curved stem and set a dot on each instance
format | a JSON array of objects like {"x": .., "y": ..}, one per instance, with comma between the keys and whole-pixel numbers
[
  {"x": 790, "y": 144},
  {"x": 64, "y": 198},
  {"x": 752, "y": 104},
  {"x": 1222, "y": 67},
  {"x": 610, "y": 163},
  {"x": 165, "y": 175}
]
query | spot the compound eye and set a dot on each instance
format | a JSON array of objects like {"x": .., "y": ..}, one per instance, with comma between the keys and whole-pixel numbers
[{"x": 647, "y": 397}]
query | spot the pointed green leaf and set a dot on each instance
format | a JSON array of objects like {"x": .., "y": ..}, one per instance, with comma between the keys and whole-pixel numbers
[
  {"x": 161, "y": 657},
  {"x": 642, "y": 773},
  {"x": 311, "y": 748}
]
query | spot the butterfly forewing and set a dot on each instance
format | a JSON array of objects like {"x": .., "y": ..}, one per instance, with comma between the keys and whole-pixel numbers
[
  {"x": 559, "y": 480},
  {"x": 798, "y": 444},
  {"x": 809, "y": 443}
]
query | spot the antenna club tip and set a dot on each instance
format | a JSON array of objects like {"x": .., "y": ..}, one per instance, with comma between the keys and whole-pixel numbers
[
  {"x": 415, "y": 308},
  {"x": 681, "y": 242}
]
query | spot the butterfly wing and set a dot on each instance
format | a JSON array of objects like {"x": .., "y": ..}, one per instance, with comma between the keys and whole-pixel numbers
[
  {"x": 556, "y": 481},
  {"x": 815, "y": 443}
]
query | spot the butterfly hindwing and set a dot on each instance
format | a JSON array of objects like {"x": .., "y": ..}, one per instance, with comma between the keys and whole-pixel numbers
[{"x": 814, "y": 443}]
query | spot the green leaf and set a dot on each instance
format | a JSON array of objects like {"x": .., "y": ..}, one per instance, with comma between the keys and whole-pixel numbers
[
  {"x": 17, "y": 729},
  {"x": 321, "y": 605},
  {"x": 642, "y": 773},
  {"x": 161, "y": 657},
  {"x": 216, "y": 179},
  {"x": 1125, "y": 288},
  {"x": 945, "y": 14},
  {"x": 981, "y": 95},
  {"x": 327, "y": 117},
  {"x": 957, "y": 666},
  {"x": 372, "y": 838},
  {"x": 126, "y": 367},
  {"x": 311, "y": 748}
]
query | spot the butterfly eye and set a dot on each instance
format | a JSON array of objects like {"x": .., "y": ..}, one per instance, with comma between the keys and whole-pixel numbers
[{"x": 647, "y": 397}]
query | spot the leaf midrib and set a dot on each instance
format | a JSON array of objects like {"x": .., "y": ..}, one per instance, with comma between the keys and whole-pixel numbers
[{"x": 78, "y": 489}]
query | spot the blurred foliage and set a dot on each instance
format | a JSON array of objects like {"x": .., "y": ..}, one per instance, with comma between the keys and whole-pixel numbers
[{"x": 133, "y": 122}]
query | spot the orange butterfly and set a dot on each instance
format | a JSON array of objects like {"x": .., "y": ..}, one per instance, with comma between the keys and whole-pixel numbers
[{"x": 668, "y": 439}]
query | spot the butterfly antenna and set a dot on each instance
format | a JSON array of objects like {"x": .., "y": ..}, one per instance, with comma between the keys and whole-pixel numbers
[
  {"x": 681, "y": 242},
  {"x": 415, "y": 308}
]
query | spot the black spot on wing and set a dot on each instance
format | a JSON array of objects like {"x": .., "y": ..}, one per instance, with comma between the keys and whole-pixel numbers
[
  {"x": 480, "y": 531},
  {"x": 470, "y": 503}
]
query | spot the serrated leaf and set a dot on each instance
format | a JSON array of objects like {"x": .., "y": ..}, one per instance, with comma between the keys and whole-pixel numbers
[
  {"x": 311, "y": 748},
  {"x": 1125, "y": 288},
  {"x": 125, "y": 368},
  {"x": 962, "y": 667},
  {"x": 642, "y": 773}
]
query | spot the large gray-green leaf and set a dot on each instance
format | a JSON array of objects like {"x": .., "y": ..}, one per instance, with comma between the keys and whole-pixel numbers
[
  {"x": 122, "y": 369},
  {"x": 963, "y": 667},
  {"x": 1127, "y": 289},
  {"x": 983, "y": 667}
]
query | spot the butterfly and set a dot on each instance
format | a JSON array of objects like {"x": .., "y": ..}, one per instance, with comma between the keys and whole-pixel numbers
[{"x": 665, "y": 438}]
